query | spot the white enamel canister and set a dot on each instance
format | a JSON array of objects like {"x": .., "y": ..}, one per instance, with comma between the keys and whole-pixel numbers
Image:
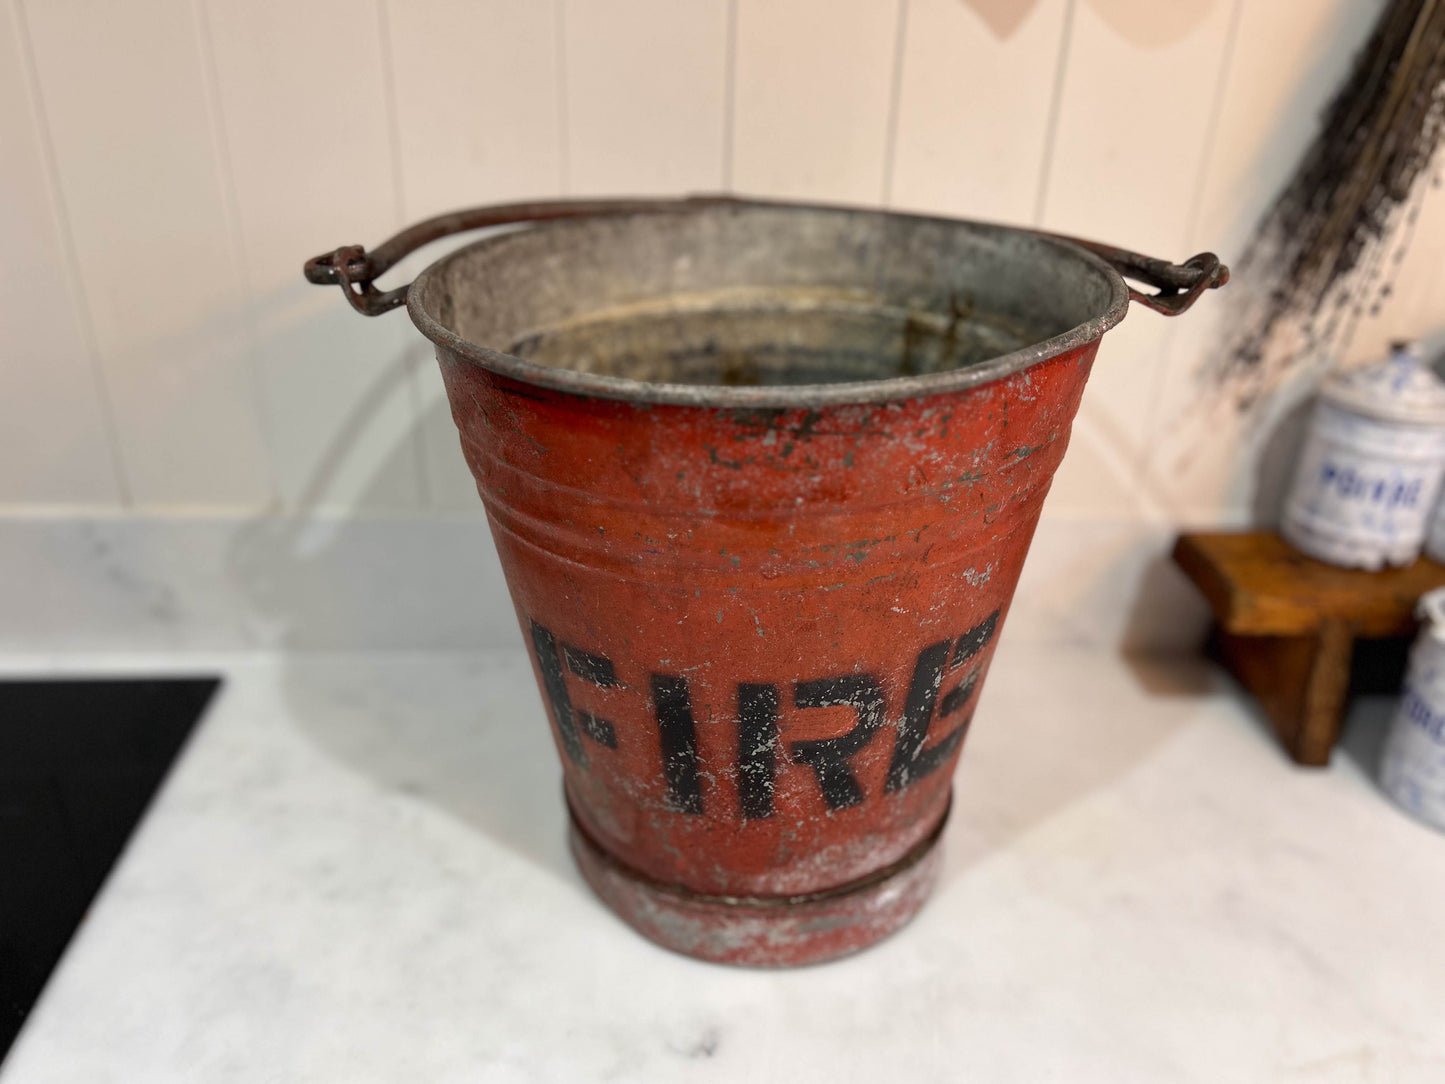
[
  {"x": 1371, "y": 466},
  {"x": 1412, "y": 767}
]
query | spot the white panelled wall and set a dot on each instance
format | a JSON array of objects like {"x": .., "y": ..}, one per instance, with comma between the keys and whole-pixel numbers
[{"x": 202, "y": 450}]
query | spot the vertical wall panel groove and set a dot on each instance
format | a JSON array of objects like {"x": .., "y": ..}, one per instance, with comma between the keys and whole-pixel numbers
[
  {"x": 468, "y": 133},
  {"x": 1211, "y": 130},
  {"x": 312, "y": 171},
  {"x": 1124, "y": 168},
  {"x": 564, "y": 165},
  {"x": 387, "y": 73},
  {"x": 730, "y": 96},
  {"x": 123, "y": 87},
  {"x": 811, "y": 110},
  {"x": 168, "y": 164},
  {"x": 1051, "y": 127},
  {"x": 57, "y": 426},
  {"x": 1164, "y": 359},
  {"x": 413, "y": 358},
  {"x": 895, "y": 96},
  {"x": 221, "y": 146},
  {"x": 1287, "y": 62},
  {"x": 973, "y": 107},
  {"x": 646, "y": 111}
]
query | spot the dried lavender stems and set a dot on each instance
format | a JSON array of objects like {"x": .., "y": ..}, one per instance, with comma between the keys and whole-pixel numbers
[{"x": 1313, "y": 252}]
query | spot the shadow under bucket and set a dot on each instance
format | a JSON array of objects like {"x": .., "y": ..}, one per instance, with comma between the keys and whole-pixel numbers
[{"x": 762, "y": 478}]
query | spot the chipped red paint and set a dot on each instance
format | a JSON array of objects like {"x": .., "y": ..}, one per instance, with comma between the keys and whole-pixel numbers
[
  {"x": 762, "y": 477},
  {"x": 712, "y": 595}
]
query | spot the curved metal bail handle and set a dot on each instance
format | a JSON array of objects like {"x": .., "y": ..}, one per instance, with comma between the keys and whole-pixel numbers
[
  {"x": 355, "y": 269},
  {"x": 1179, "y": 285}
]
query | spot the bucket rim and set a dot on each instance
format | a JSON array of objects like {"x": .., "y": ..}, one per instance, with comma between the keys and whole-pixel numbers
[{"x": 602, "y": 386}]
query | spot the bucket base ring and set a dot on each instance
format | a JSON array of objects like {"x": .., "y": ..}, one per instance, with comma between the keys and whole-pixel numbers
[{"x": 762, "y": 931}]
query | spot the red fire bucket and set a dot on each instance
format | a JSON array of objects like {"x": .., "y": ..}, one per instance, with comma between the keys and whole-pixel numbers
[{"x": 762, "y": 478}]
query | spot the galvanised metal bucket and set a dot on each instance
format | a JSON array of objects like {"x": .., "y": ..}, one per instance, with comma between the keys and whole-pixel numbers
[{"x": 762, "y": 478}]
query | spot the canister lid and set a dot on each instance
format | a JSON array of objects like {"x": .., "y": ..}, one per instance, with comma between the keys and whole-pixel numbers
[{"x": 1401, "y": 388}]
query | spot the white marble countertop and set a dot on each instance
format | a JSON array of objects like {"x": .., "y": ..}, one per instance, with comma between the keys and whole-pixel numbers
[{"x": 357, "y": 872}]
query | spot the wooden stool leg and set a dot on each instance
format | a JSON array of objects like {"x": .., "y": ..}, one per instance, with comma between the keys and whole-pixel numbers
[{"x": 1300, "y": 680}]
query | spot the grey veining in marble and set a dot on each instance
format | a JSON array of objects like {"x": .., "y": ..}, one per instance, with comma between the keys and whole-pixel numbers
[{"x": 358, "y": 873}]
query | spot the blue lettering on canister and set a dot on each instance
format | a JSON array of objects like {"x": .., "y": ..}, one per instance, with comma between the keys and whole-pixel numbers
[
  {"x": 1388, "y": 494},
  {"x": 1419, "y": 712}
]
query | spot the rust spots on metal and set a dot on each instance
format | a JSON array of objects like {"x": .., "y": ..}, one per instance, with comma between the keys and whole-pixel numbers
[
  {"x": 762, "y": 479},
  {"x": 787, "y": 662}
]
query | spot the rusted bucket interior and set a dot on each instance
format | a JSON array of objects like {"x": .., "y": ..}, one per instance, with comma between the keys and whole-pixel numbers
[{"x": 764, "y": 295}]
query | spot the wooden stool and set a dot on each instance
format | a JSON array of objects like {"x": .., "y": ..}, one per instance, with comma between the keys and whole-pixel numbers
[{"x": 1288, "y": 624}]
